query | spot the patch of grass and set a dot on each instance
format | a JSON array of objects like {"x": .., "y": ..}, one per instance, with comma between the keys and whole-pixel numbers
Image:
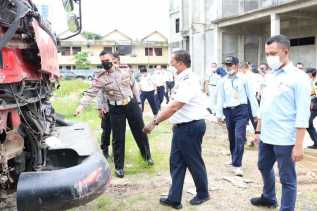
[{"x": 67, "y": 98}]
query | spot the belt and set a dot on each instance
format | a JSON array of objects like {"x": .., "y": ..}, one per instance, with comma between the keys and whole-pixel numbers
[
  {"x": 212, "y": 85},
  {"x": 234, "y": 107},
  {"x": 120, "y": 102},
  {"x": 185, "y": 123}
]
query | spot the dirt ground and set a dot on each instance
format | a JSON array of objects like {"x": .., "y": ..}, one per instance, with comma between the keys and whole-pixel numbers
[{"x": 142, "y": 191}]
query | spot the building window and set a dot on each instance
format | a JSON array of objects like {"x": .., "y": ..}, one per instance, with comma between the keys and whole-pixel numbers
[
  {"x": 148, "y": 51},
  {"x": 65, "y": 51},
  {"x": 76, "y": 50},
  {"x": 177, "y": 25},
  {"x": 108, "y": 49},
  {"x": 158, "y": 51},
  {"x": 124, "y": 49},
  {"x": 68, "y": 67},
  {"x": 303, "y": 41}
]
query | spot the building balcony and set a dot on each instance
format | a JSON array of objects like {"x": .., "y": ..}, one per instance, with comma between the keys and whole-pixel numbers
[{"x": 231, "y": 8}]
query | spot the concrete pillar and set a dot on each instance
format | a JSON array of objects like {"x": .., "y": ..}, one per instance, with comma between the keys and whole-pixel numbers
[
  {"x": 218, "y": 45},
  {"x": 241, "y": 42},
  {"x": 275, "y": 24}
]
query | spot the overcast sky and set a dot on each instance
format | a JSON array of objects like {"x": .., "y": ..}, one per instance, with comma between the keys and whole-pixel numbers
[{"x": 136, "y": 18}]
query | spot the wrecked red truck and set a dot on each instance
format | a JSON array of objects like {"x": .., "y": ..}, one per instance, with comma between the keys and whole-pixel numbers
[{"x": 50, "y": 164}]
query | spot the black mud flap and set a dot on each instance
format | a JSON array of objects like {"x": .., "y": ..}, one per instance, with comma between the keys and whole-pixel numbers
[{"x": 65, "y": 188}]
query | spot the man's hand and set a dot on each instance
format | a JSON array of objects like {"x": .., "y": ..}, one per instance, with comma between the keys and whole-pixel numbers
[
  {"x": 298, "y": 153},
  {"x": 257, "y": 139},
  {"x": 79, "y": 109},
  {"x": 149, "y": 127},
  {"x": 220, "y": 120},
  {"x": 255, "y": 119},
  {"x": 101, "y": 113}
]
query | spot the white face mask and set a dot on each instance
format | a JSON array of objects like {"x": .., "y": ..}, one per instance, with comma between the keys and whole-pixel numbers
[{"x": 274, "y": 62}]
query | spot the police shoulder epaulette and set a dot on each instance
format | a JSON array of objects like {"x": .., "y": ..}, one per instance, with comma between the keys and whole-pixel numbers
[
  {"x": 186, "y": 77},
  {"x": 101, "y": 73}
]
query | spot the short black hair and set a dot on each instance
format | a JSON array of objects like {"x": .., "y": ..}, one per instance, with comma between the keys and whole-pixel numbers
[
  {"x": 311, "y": 70},
  {"x": 280, "y": 39},
  {"x": 299, "y": 63},
  {"x": 104, "y": 52},
  {"x": 143, "y": 70},
  {"x": 182, "y": 56}
]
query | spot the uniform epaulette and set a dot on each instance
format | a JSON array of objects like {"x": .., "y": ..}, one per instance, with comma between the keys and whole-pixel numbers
[
  {"x": 101, "y": 73},
  {"x": 186, "y": 77}
]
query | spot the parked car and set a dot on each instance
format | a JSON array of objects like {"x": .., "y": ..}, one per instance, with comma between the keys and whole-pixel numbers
[
  {"x": 78, "y": 74},
  {"x": 84, "y": 74}
]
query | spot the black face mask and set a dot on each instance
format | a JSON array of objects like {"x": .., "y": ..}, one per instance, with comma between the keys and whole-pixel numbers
[{"x": 107, "y": 65}]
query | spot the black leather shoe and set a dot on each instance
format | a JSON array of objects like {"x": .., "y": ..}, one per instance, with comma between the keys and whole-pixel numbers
[
  {"x": 263, "y": 202},
  {"x": 312, "y": 147},
  {"x": 198, "y": 201},
  {"x": 119, "y": 173},
  {"x": 166, "y": 202},
  {"x": 150, "y": 162}
]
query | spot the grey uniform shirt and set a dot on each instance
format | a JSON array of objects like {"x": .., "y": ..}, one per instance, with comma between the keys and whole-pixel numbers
[{"x": 116, "y": 85}]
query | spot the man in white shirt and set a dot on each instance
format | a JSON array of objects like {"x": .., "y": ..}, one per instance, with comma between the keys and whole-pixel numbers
[
  {"x": 160, "y": 80},
  {"x": 186, "y": 111},
  {"x": 148, "y": 88}
]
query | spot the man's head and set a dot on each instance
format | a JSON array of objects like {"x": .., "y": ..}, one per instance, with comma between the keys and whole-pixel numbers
[
  {"x": 232, "y": 64},
  {"x": 158, "y": 67},
  {"x": 300, "y": 66},
  {"x": 143, "y": 70},
  {"x": 107, "y": 59},
  {"x": 311, "y": 72},
  {"x": 213, "y": 65},
  {"x": 245, "y": 68},
  {"x": 180, "y": 60},
  {"x": 277, "y": 51},
  {"x": 263, "y": 68}
]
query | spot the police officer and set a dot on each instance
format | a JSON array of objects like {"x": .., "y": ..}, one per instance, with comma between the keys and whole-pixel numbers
[
  {"x": 160, "y": 79},
  {"x": 283, "y": 119},
  {"x": 103, "y": 110},
  {"x": 313, "y": 107},
  {"x": 186, "y": 110},
  {"x": 123, "y": 99},
  {"x": 234, "y": 92},
  {"x": 148, "y": 88}
]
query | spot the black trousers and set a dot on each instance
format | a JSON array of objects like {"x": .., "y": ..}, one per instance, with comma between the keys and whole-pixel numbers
[
  {"x": 168, "y": 91},
  {"x": 118, "y": 116},
  {"x": 150, "y": 97},
  {"x": 311, "y": 129},
  {"x": 186, "y": 154},
  {"x": 160, "y": 96},
  {"x": 106, "y": 131}
]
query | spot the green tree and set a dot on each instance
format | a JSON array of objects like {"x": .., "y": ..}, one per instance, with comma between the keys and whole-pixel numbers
[
  {"x": 91, "y": 36},
  {"x": 81, "y": 60}
]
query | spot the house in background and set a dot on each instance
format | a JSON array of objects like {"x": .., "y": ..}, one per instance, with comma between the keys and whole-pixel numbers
[{"x": 150, "y": 51}]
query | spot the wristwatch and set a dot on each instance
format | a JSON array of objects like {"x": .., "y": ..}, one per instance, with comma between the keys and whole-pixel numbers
[{"x": 257, "y": 132}]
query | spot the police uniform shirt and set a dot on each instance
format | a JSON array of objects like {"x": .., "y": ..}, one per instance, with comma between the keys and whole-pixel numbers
[
  {"x": 146, "y": 82},
  {"x": 116, "y": 86},
  {"x": 102, "y": 101},
  {"x": 187, "y": 90}
]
